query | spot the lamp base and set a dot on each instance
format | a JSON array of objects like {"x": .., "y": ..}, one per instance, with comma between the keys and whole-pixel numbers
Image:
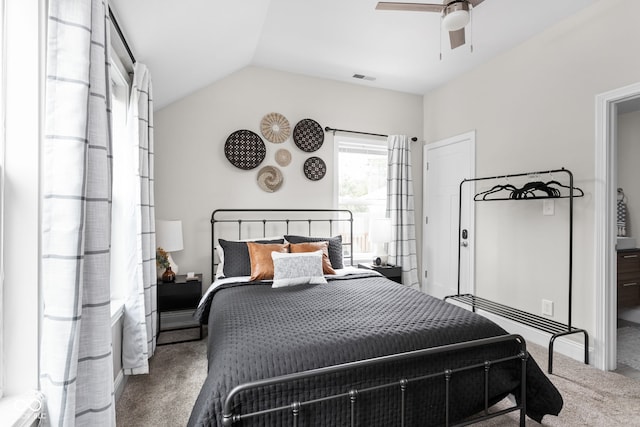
[{"x": 172, "y": 263}]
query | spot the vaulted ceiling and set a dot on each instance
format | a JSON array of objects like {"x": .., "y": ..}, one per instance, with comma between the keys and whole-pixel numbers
[{"x": 189, "y": 44}]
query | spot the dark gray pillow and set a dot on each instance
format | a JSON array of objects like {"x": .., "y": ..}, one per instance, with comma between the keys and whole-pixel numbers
[
  {"x": 335, "y": 247},
  {"x": 236, "y": 257}
]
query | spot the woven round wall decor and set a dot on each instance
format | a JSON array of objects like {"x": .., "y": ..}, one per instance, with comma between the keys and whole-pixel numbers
[
  {"x": 245, "y": 149},
  {"x": 283, "y": 157},
  {"x": 269, "y": 179},
  {"x": 314, "y": 168},
  {"x": 308, "y": 135},
  {"x": 275, "y": 127}
]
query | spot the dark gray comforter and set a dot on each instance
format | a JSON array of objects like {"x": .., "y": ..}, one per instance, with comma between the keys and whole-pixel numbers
[{"x": 258, "y": 332}]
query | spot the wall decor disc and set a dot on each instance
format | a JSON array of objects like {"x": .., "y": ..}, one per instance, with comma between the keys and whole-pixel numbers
[
  {"x": 283, "y": 157},
  {"x": 275, "y": 127},
  {"x": 245, "y": 149},
  {"x": 269, "y": 179},
  {"x": 314, "y": 168},
  {"x": 308, "y": 135}
]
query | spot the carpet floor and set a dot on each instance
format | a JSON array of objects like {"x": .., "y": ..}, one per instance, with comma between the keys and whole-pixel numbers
[{"x": 165, "y": 396}]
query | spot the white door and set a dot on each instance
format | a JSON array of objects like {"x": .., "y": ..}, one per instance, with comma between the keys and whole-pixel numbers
[{"x": 446, "y": 164}]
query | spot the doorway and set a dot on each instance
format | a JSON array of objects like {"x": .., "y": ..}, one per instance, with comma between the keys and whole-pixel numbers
[
  {"x": 446, "y": 164},
  {"x": 606, "y": 196}
]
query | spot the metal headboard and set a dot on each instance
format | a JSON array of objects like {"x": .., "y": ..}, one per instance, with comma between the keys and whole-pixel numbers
[{"x": 283, "y": 220}]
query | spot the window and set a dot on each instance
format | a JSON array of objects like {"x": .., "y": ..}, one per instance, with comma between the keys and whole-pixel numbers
[
  {"x": 362, "y": 187},
  {"x": 3, "y": 101},
  {"x": 120, "y": 88}
]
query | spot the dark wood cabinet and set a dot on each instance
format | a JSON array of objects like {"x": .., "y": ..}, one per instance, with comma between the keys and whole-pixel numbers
[
  {"x": 629, "y": 278},
  {"x": 182, "y": 294}
]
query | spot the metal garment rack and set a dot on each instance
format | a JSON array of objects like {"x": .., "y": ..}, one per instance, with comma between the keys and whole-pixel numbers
[{"x": 556, "y": 329}]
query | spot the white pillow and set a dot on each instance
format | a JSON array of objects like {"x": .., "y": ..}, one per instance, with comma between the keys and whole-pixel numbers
[{"x": 297, "y": 269}]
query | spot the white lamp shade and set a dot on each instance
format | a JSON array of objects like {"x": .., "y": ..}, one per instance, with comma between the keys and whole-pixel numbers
[
  {"x": 169, "y": 235},
  {"x": 380, "y": 230}
]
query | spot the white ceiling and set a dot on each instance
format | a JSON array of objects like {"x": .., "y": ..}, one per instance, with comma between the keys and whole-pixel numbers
[{"x": 190, "y": 44}]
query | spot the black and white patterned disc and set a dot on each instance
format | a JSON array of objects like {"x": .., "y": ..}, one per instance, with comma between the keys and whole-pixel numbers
[
  {"x": 314, "y": 168},
  {"x": 245, "y": 149},
  {"x": 308, "y": 135}
]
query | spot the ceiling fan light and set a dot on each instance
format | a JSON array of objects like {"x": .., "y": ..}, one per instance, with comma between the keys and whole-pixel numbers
[
  {"x": 455, "y": 20},
  {"x": 455, "y": 16}
]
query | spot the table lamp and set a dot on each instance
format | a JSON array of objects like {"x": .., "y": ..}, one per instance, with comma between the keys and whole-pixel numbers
[
  {"x": 169, "y": 238},
  {"x": 380, "y": 235}
]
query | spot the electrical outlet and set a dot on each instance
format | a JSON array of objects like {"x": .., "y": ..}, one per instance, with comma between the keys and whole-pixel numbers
[
  {"x": 548, "y": 207},
  {"x": 547, "y": 307}
]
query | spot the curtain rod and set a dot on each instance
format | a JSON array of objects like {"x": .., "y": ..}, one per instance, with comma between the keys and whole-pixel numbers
[
  {"x": 119, "y": 31},
  {"x": 328, "y": 129}
]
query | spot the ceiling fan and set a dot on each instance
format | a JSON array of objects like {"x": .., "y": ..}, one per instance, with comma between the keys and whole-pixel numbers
[{"x": 455, "y": 15}]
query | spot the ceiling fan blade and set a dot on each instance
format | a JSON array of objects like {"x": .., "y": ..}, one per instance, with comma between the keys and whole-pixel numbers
[
  {"x": 413, "y": 7},
  {"x": 456, "y": 38},
  {"x": 474, "y": 3}
]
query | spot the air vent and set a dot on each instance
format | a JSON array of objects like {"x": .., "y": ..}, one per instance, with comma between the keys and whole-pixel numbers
[{"x": 363, "y": 77}]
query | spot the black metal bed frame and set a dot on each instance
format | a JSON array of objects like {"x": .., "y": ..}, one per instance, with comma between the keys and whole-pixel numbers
[
  {"x": 281, "y": 216},
  {"x": 401, "y": 384},
  {"x": 556, "y": 329},
  {"x": 335, "y": 216}
]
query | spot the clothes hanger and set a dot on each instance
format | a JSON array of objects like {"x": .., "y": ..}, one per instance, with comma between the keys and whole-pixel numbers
[
  {"x": 532, "y": 190},
  {"x": 554, "y": 182},
  {"x": 495, "y": 189}
]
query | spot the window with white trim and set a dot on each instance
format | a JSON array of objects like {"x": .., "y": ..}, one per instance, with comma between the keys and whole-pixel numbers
[
  {"x": 120, "y": 90},
  {"x": 3, "y": 101},
  {"x": 361, "y": 187}
]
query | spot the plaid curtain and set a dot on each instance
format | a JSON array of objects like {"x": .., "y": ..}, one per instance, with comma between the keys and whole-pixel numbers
[
  {"x": 76, "y": 367},
  {"x": 400, "y": 208},
  {"x": 140, "y": 317}
]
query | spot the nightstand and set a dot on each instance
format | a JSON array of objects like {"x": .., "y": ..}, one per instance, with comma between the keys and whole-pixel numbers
[
  {"x": 182, "y": 294},
  {"x": 392, "y": 272}
]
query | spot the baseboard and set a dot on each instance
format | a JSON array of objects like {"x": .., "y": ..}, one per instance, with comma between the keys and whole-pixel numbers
[
  {"x": 630, "y": 314},
  {"x": 119, "y": 383},
  {"x": 562, "y": 345}
]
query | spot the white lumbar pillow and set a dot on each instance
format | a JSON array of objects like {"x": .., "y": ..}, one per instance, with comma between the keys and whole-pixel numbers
[{"x": 290, "y": 269}]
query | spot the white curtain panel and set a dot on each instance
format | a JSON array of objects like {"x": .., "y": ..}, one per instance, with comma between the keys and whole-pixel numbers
[
  {"x": 400, "y": 208},
  {"x": 140, "y": 316},
  {"x": 76, "y": 362}
]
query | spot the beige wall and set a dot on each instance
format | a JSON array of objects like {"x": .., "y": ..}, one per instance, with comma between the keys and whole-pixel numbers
[
  {"x": 193, "y": 177},
  {"x": 628, "y": 168},
  {"x": 533, "y": 108}
]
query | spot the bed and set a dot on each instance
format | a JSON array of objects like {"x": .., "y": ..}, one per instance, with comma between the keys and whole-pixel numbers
[{"x": 356, "y": 349}]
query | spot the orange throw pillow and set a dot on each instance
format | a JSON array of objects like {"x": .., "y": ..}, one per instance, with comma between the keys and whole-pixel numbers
[
  {"x": 261, "y": 261},
  {"x": 312, "y": 247}
]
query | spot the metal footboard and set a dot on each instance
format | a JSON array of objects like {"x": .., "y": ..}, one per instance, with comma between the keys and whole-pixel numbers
[{"x": 401, "y": 384}]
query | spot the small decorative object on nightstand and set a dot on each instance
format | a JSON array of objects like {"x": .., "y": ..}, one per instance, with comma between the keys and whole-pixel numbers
[
  {"x": 162, "y": 262},
  {"x": 380, "y": 235},
  {"x": 182, "y": 294},
  {"x": 392, "y": 272}
]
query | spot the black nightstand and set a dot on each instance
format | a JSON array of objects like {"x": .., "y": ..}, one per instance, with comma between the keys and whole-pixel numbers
[
  {"x": 392, "y": 272},
  {"x": 182, "y": 294}
]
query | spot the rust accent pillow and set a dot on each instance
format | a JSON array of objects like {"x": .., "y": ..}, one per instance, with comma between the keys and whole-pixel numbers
[
  {"x": 312, "y": 247},
  {"x": 261, "y": 261}
]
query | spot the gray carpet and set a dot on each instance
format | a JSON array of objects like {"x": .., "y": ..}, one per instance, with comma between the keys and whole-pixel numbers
[
  {"x": 166, "y": 395},
  {"x": 629, "y": 346}
]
